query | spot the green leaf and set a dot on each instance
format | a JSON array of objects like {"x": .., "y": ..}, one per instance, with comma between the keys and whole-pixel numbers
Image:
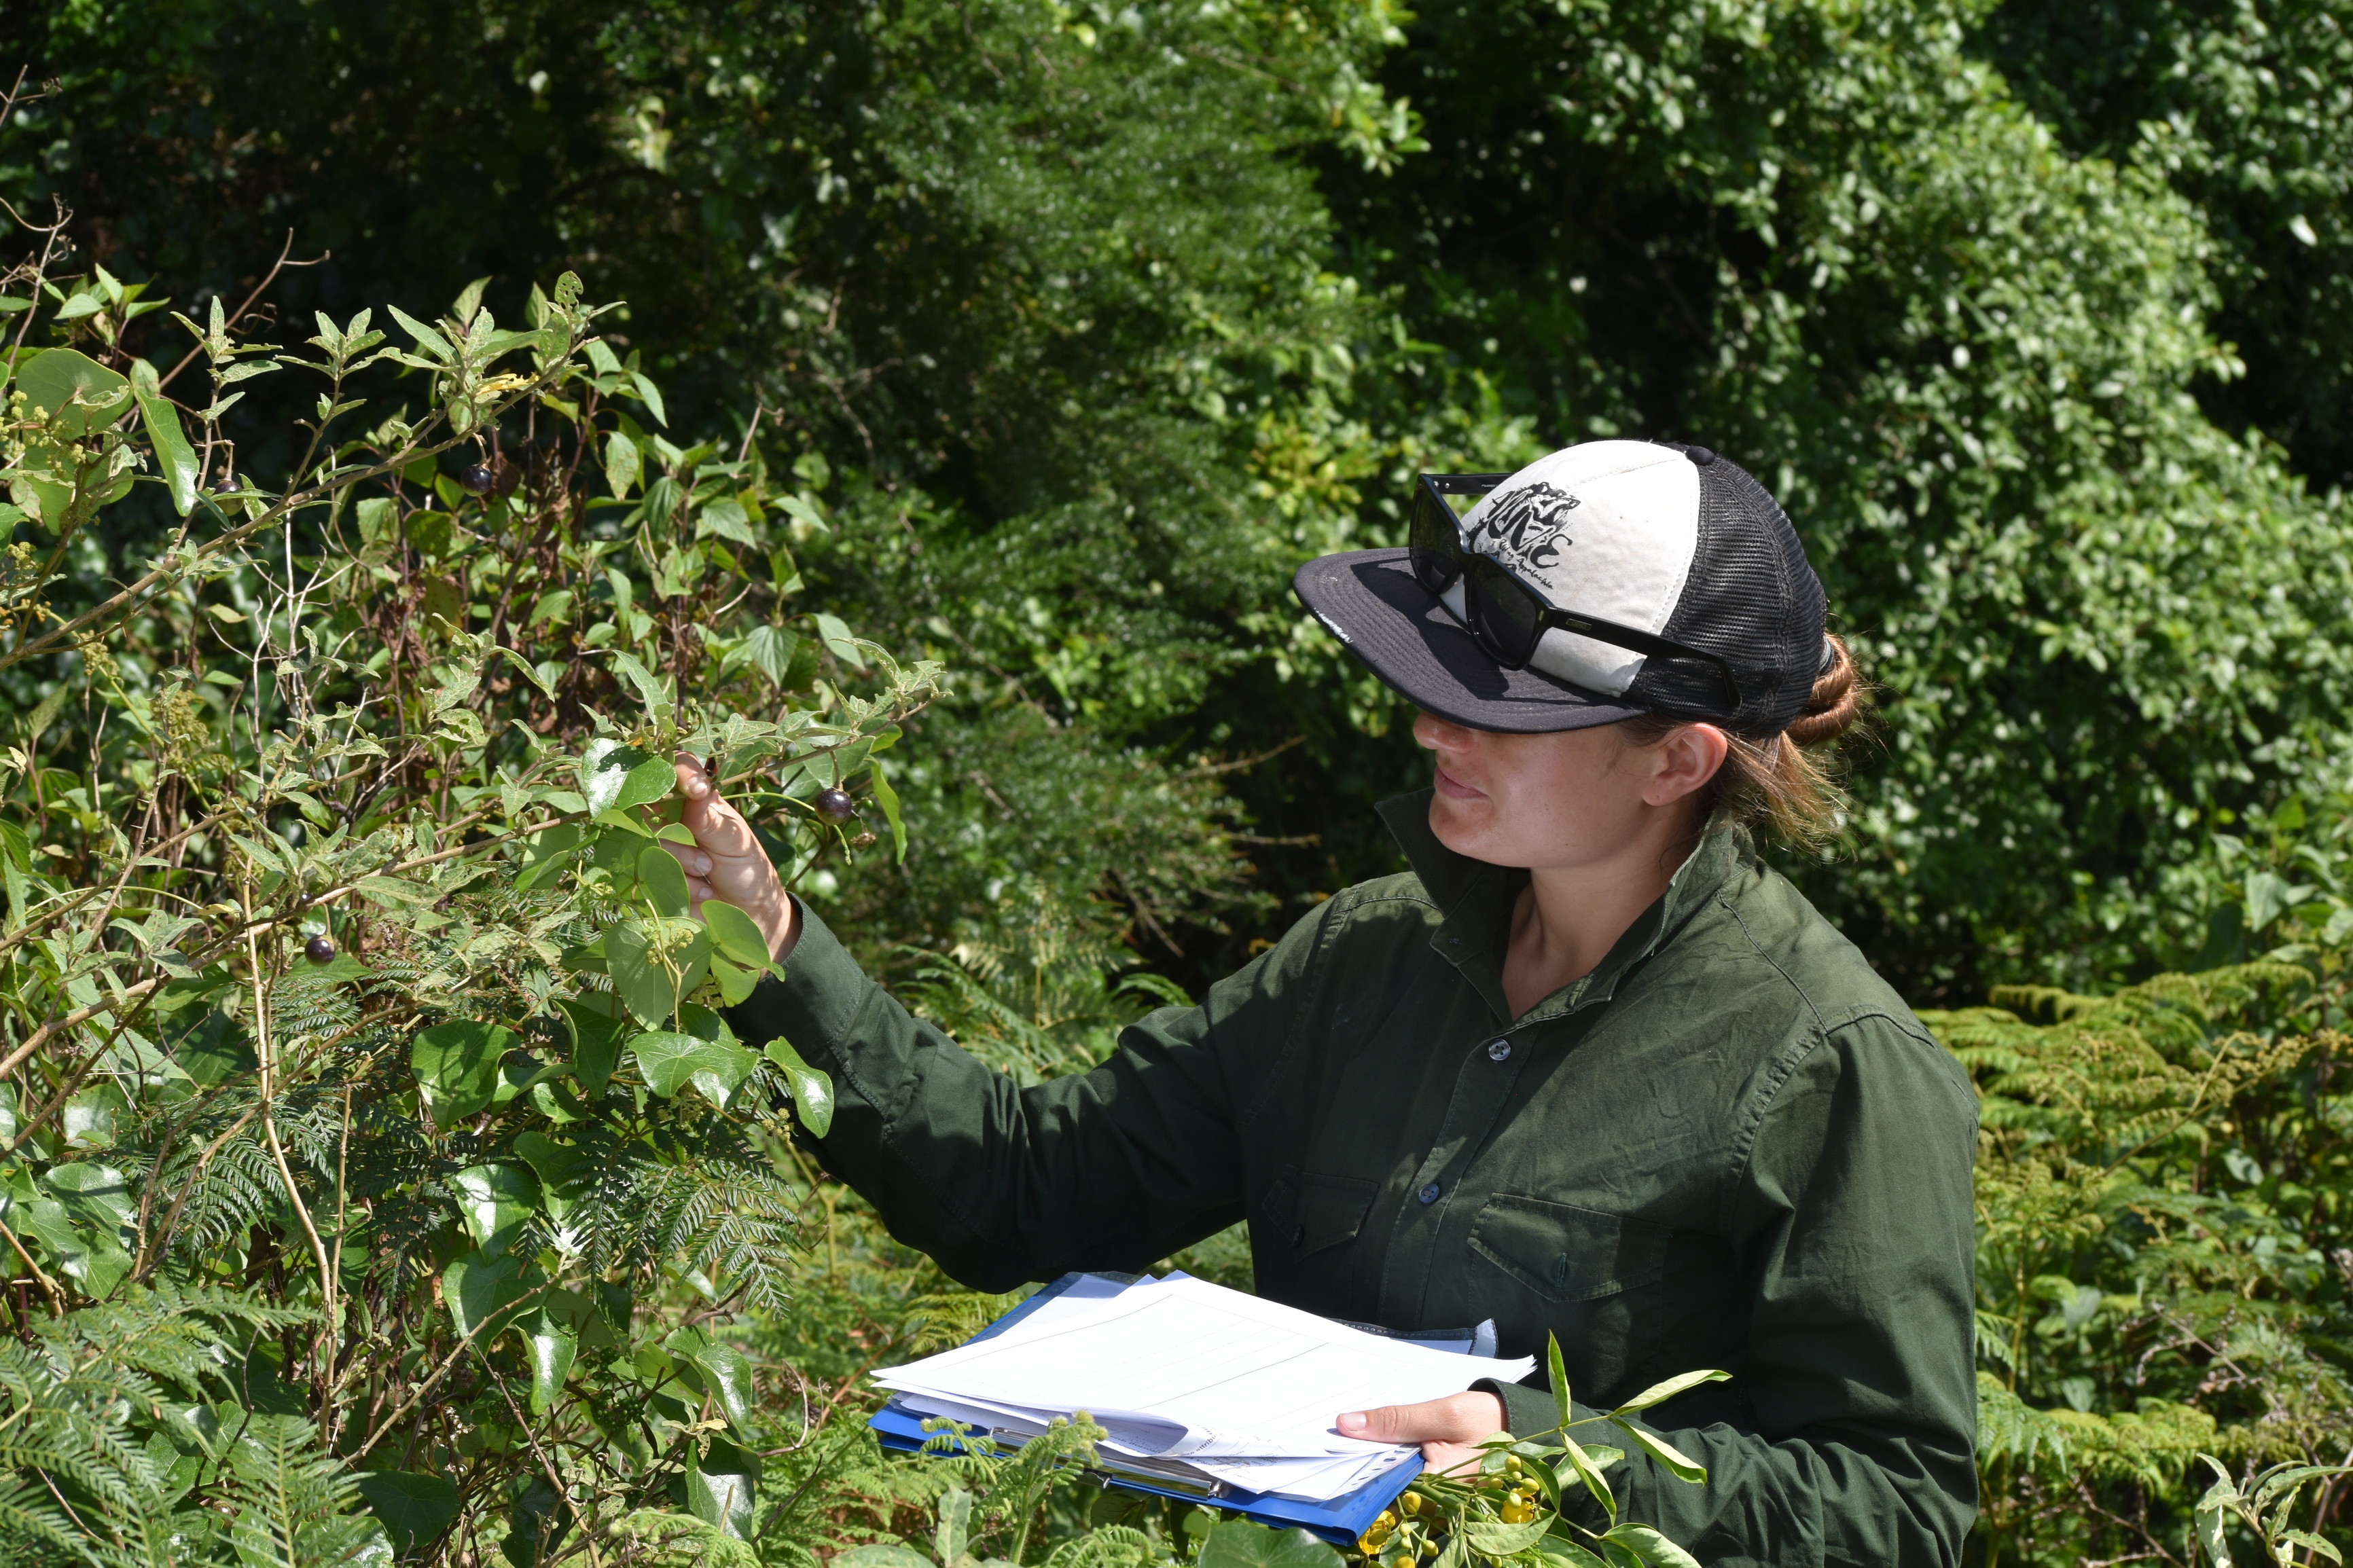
[
  {"x": 652, "y": 394},
  {"x": 834, "y": 633},
  {"x": 881, "y": 1557},
  {"x": 481, "y": 1292},
  {"x": 547, "y": 852},
  {"x": 1502, "y": 1539},
  {"x": 652, "y": 979},
  {"x": 1239, "y": 1544},
  {"x": 174, "y": 456},
  {"x": 1559, "y": 1374},
  {"x": 457, "y": 1067},
  {"x": 73, "y": 390},
  {"x": 735, "y": 982},
  {"x": 812, "y": 1090},
  {"x": 1659, "y": 1448},
  {"x": 726, "y": 517},
  {"x": 719, "y": 1487},
  {"x": 1590, "y": 1472},
  {"x": 1566, "y": 1553},
  {"x": 887, "y": 799},
  {"x": 553, "y": 1348},
  {"x": 614, "y": 777},
  {"x": 414, "y": 1510},
  {"x": 654, "y": 692},
  {"x": 596, "y": 1032},
  {"x": 662, "y": 879},
  {"x": 1660, "y": 1393},
  {"x": 955, "y": 1518},
  {"x": 1647, "y": 1543},
  {"x": 736, "y": 934},
  {"x": 496, "y": 1201},
  {"x": 771, "y": 650},
  {"x": 2211, "y": 1519},
  {"x": 669, "y": 1062},
  {"x": 726, "y": 1374}
]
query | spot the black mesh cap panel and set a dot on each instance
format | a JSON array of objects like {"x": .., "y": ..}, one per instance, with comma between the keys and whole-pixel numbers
[{"x": 1752, "y": 598}]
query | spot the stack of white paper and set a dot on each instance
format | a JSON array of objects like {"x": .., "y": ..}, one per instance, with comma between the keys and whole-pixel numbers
[{"x": 1192, "y": 1383}]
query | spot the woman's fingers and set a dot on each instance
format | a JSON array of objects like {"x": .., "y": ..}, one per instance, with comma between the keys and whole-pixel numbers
[
  {"x": 726, "y": 862},
  {"x": 1456, "y": 1419}
]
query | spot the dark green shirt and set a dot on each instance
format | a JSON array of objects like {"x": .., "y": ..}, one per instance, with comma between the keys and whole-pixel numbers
[{"x": 1731, "y": 1145}]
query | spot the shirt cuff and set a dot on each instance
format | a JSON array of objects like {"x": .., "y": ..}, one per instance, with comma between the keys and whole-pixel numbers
[
  {"x": 812, "y": 1006},
  {"x": 1526, "y": 1411}
]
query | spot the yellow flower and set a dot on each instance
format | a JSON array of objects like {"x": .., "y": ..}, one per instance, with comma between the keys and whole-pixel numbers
[{"x": 1518, "y": 1512}]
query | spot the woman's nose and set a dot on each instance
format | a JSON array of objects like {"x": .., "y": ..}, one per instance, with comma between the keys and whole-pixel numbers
[{"x": 1442, "y": 734}]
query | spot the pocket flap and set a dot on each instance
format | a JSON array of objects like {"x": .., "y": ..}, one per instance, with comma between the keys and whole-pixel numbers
[{"x": 1564, "y": 1253}]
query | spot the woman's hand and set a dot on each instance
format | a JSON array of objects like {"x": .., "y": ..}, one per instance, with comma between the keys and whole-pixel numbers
[
  {"x": 1446, "y": 1428},
  {"x": 727, "y": 862}
]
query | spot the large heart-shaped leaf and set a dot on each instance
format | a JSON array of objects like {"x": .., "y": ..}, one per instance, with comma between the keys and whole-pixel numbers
[
  {"x": 614, "y": 777},
  {"x": 481, "y": 1292},
  {"x": 726, "y": 1374},
  {"x": 414, "y": 1510},
  {"x": 650, "y": 975},
  {"x": 73, "y": 389},
  {"x": 497, "y": 1202},
  {"x": 1238, "y": 1543},
  {"x": 97, "y": 1197},
  {"x": 457, "y": 1067},
  {"x": 669, "y": 1062}
]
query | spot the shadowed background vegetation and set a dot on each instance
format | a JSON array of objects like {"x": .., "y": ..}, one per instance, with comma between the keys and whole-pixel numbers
[{"x": 1084, "y": 324}]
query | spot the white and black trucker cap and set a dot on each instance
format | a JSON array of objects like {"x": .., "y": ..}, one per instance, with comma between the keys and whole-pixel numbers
[{"x": 1671, "y": 541}]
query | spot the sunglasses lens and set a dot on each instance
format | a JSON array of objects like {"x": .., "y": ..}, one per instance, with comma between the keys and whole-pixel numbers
[
  {"x": 1505, "y": 616},
  {"x": 1435, "y": 541}
]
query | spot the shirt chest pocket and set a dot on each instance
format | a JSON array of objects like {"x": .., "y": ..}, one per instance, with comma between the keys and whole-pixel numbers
[
  {"x": 1562, "y": 1253},
  {"x": 1595, "y": 1280}
]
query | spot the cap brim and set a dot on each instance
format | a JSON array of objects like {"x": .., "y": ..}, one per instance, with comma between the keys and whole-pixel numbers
[{"x": 1371, "y": 600}]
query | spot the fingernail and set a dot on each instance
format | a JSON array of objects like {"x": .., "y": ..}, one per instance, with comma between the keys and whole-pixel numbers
[
  {"x": 697, "y": 787},
  {"x": 1354, "y": 1421}
]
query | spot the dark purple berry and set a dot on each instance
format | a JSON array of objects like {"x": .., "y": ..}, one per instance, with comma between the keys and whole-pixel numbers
[
  {"x": 835, "y": 805},
  {"x": 227, "y": 486},
  {"x": 478, "y": 479},
  {"x": 320, "y": 950}
]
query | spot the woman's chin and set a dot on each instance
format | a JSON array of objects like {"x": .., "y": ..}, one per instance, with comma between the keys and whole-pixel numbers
[{"x": 1463, "y": 826}]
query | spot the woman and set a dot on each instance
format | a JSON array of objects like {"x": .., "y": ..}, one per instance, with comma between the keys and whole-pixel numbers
[{"x": 1588, "y": 1069}]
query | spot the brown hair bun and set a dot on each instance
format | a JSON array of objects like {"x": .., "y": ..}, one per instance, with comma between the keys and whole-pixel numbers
[{"x": 1835, "y": 702}]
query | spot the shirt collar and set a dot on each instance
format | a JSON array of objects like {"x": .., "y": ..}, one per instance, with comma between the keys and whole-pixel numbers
[{"x": 1474, "y": 903}]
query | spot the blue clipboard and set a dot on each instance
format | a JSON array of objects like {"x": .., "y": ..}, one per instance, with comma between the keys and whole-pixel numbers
[{"x": 1340, "y": 1521}]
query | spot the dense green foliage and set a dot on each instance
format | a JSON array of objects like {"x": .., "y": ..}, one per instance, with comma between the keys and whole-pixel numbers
[{"x": 1043, "y": 340}]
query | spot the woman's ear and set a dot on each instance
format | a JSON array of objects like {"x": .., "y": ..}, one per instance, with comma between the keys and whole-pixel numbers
[{"x": 1684, "y": 761}]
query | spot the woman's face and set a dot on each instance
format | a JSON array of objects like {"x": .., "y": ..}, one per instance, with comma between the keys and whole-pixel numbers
[{"x": 1572, "y": 799}]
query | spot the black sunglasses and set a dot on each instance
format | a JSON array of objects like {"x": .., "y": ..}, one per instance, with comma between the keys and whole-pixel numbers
[{"x": 1503, "y": 615}]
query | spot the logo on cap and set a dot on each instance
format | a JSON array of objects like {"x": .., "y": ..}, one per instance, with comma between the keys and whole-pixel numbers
[{"x": 1527, "y": 528}]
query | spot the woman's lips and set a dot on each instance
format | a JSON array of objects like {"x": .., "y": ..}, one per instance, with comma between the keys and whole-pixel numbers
[{"x": 1453, "y": 788}]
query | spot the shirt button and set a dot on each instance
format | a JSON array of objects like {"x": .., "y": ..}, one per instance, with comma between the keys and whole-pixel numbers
[
  {"x": 1299, "y": 1236},
  {"x": 1499, "y": 1050},
  {"x": 1429, "y": 1194}
]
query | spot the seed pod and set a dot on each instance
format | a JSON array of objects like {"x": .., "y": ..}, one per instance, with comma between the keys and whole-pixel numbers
[
  {"x": 478, "y": 479},
  {"x": 834, "y": 804},
  {"x": 320, "y": 950}
]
